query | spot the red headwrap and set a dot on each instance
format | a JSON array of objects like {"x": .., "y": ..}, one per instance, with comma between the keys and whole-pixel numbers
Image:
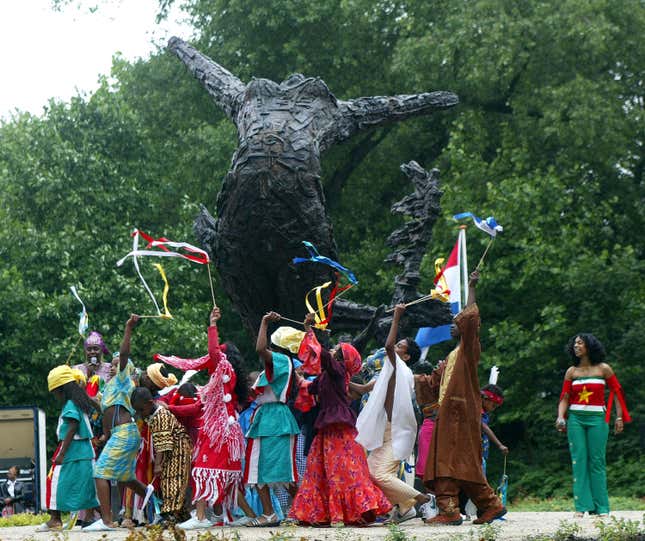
[
  {"x": 352, "y": 359},
  {"x": 493, "y": 397}
]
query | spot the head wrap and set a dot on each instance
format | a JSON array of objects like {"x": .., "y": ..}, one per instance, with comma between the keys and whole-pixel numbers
[
  {"x": 352, "y": 359},
  {"x": 59, "y": 376},
  {"x": 492, "y": 397},
  {"x": 95, "y": 339},
  {"x": 287, "y": 338},
  {"x": 154, "y": 373},
  {"x": 79, "y": 377}
]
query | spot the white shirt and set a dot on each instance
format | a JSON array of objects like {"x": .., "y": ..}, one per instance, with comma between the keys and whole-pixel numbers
[{"x": 11, "y": 488}]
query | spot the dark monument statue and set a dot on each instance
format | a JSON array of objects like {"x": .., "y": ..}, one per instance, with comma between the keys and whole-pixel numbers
[{"x": 272, "y": 198}]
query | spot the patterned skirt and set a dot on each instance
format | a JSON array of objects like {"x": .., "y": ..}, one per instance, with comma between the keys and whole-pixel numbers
[
  {"x": 336, "y": 486},
  {"x": 118, "y": 459}
]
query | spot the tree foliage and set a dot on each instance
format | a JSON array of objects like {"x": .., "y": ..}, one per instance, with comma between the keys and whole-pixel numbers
[{"x": 548, "y": 138}]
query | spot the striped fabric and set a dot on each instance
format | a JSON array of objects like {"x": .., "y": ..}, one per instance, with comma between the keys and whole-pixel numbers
[{"x": 587, "y": 394}]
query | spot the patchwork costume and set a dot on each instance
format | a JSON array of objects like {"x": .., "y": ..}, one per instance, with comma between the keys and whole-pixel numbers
[{"x": 587, "y": 431}]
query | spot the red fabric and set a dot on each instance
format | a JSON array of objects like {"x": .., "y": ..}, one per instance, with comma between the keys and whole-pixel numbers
[
  {"x": 617, "y": 390},
  {"x": 587, "y": 393},
  {"x": 304, "y": 400},
  {"x": 336, "y": 486},
  {"x": 309, "y": 354},
  {"x": 566, "y": 388},
  {"x": 493, "y": 397}
]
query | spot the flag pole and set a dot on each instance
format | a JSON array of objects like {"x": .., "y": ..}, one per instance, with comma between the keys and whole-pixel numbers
[
  {"x": 490, "y": 243},
  {"x": 69, "y": 358},
  {"x": 210, "y": 280},
  {"x": 463, "y": 258}
]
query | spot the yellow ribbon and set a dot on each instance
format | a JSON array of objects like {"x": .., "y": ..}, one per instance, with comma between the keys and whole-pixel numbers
[
  {"x": 441, "y": 292},
  {"x": 166, "y": 288},
  {"x": 319, "y": 312}
]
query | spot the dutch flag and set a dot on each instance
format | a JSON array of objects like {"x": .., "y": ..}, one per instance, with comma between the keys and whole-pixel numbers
[{"x": 454, "y": 272}]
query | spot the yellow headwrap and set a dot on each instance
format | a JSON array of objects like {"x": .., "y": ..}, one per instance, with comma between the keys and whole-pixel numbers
[
  {"x": 287, "y": 338},
  {"x": 59, "y": 376},
  {"x": 79, "y": 377},
  {"x": 154, "y": 373}
]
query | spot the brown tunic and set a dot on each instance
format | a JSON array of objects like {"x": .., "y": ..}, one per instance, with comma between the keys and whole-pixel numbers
[{"x": 455, "y": 450}]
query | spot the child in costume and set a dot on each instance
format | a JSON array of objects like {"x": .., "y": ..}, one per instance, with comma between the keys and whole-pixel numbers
[
  {"x": 216, "y": 470},
  {"x": 336, "y": 487},
  {"x": 172, "y": 452},
  {"x": 270, "y": 452},
  {"x": 70, "y": 483},
  {"x": 118, "y": 458},
  {"x": 492, "y": 398}
]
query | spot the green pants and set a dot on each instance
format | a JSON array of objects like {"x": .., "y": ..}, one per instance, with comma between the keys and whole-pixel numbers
[{"x": 587, "y": 434}]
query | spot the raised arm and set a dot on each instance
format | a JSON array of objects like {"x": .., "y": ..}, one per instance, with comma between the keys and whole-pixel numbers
[
  {"x": 225, "y": 89},
  {"x": 214, "y": 351},
  {"x": 393, "y": 334},
  {"x": 363, "y": 114},
  {"x": 124, "y": 351},
  {"x": 472, "y": 284},
  {"x": 262, "y": 344}
]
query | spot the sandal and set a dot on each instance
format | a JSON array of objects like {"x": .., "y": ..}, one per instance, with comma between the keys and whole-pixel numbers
[
  {"x": 44, "y": 527},
  {"x": 258, "y": 522}
]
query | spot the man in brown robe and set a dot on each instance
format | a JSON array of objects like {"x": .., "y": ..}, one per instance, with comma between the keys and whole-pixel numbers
[{"x": 455, "y": 456}]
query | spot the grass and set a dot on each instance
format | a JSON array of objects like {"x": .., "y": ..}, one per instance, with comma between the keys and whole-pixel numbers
[{"x": 618, "y": 503}]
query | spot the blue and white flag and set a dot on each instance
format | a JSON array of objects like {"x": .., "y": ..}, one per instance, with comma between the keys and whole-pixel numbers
[{"x": 489, "y": 225}]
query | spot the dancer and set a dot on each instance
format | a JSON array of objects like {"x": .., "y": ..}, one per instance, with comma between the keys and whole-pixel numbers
[
  {"x": 172, "y": 452},
  {"x": 216, "y": 470},
  {"x": 387, "y": 426},
  {"x": 118, "y": 458},
  {"x": 454, "y": 460},
  {"x": 270, "y": 451},
  {"x": 583, "y": 398},
  {"x": 336, "y": 487},
  {"x": 70, "y": 484}
]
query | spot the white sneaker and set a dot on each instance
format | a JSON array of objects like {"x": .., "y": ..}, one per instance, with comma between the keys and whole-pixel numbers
[
  {"x": 195, "y": 524},
  {"x": 429, "y": 509}
]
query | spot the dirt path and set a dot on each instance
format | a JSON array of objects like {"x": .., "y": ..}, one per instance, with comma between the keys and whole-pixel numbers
[{"x": 516, "y": 527}]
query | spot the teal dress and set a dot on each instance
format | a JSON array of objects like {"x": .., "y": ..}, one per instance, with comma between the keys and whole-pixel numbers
[
  {"x": 72, "y": 483},
  {"x": 271, "y": 437}
]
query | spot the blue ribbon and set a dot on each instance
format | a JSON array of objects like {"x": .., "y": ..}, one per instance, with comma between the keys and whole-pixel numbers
[{"x": 315, "y": 257}]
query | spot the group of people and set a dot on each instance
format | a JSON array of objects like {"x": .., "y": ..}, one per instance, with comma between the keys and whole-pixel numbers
[{"x": 238, "y": 443}]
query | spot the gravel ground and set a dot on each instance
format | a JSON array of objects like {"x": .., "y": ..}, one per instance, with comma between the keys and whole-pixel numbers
[{"x": 516, "y": 527}]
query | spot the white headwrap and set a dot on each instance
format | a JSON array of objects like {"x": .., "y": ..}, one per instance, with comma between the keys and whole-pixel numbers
[{"x": 372, "y": 421}]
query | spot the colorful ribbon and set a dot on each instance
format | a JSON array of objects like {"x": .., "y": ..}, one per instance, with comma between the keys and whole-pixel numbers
[
  {"x": 315, "y": 257},
  {"x": 83, "y": 318},
  {"x": 166, "y": 288},
  {"x": 162, "y": 243},
  {"x": 321, "y": 318}
]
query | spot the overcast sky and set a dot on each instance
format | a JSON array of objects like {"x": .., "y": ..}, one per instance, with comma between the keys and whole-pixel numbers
[{"x": 48, "y": 54}]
